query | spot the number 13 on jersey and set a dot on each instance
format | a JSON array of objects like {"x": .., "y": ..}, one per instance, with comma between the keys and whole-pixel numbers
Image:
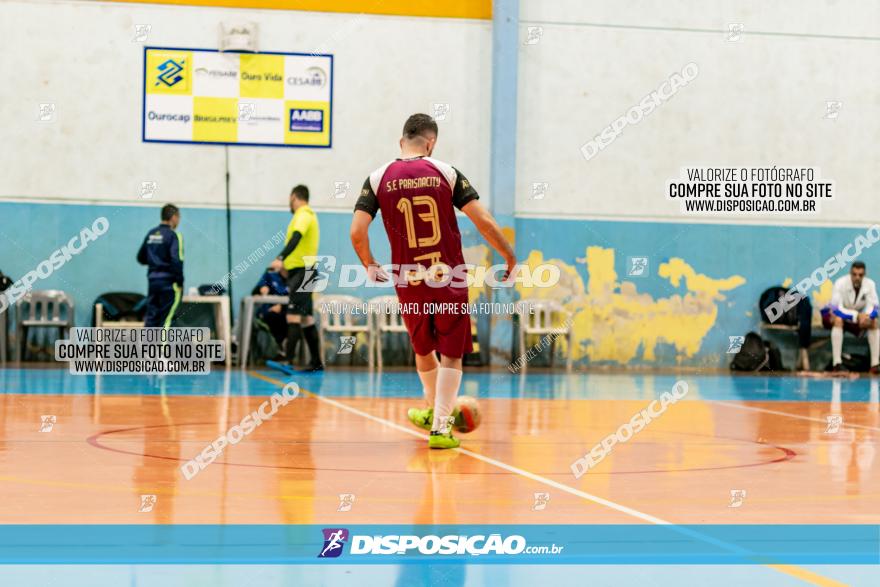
[{"x": 428, "y": 213}]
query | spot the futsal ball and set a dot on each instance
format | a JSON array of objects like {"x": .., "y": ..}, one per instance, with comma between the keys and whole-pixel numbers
[{"x": 467, "y": 414}]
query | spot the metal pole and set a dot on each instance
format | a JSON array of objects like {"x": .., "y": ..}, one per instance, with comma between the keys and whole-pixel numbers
[{"x": 228, "y": 227}]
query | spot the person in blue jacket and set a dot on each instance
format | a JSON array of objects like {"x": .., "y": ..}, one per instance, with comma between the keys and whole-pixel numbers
[
  {"x": 272, "y": 284},
  {"x": 162, "y": 253}
]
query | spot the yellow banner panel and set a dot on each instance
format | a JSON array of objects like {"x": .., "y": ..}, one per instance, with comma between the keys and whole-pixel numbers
[
  {"x": 215, "y": 120},
  {"x": 308, "y": 122},
  {"x": 262, "y": 76}
]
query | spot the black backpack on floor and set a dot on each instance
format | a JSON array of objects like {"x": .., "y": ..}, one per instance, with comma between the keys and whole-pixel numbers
[{"x": 757, "y": 355}]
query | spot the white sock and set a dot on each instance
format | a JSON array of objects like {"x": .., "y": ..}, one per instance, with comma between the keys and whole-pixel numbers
[
  {"x": 836, "y": 345},
  {"x": 429, "y": 385},
  {"x": 448, "y": 382},
  {"x": 874, "y": 345}
]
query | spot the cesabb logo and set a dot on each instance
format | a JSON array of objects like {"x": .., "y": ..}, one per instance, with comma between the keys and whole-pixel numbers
[
  {"x": 306, "y": 120},
  {"x": 314, "y": 77}
]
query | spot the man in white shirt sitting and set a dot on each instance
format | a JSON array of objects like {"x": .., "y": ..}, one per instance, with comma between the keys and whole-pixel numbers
[{"x": 854, "y": 306}]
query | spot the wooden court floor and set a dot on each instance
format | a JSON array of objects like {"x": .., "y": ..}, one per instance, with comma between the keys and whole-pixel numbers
[{"x": 112, "y": 444}]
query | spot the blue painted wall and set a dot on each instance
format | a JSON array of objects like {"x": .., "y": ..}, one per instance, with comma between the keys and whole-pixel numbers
[
  {"x": 29, "y": 233},
  {"x": 763, "y": 255}
]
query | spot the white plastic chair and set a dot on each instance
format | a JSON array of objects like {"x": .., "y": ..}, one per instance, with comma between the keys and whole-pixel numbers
[
  {"x": 386, "y": 318},
  {"x": 42, "y": 309},
  {"x": 537, "y": 317},
  {"x": 246, "y": 323},
  {"x": 345, "y": 315},
  {"x": 4, "y": 332}
]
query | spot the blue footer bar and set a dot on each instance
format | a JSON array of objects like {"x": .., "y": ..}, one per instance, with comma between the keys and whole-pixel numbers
[{"x": 473, "y": 544}]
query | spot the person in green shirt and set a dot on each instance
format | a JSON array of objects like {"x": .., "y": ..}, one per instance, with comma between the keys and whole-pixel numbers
[{"x": 297, "y": 260}]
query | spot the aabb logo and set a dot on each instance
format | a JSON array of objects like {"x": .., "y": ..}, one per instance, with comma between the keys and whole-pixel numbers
[
  {"x": 334, "y": 541},
  {"x": 306, "y": 120}
]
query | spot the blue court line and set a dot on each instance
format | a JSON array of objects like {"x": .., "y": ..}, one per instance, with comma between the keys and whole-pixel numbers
[{"x": 404, "y": 384}]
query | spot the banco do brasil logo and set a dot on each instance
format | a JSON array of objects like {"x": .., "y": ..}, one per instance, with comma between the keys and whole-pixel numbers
[{"x": 170, "y": 72}]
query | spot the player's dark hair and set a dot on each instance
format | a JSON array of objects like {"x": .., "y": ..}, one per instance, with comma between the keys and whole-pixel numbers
[
  {"x": 419, "y": 125},
  {"x": 301, "y": 192},
  {"x": 168, "y": 212},
  {"x": 858, "y": 265}
]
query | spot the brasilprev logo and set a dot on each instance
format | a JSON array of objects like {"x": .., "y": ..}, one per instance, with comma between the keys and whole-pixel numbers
[{"x": 334, "y": 541}]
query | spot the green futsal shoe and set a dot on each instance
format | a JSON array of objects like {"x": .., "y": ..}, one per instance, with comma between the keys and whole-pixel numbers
[
  {"x": 421, "y": 418},
  {"x": 443, "y": 440}
]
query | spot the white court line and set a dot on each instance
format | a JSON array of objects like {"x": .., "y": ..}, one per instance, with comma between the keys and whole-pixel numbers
[
  {"x": 844, "y": 424},
  {"x": 510, "y": 468},
  {"x": 792, "y": 570}
]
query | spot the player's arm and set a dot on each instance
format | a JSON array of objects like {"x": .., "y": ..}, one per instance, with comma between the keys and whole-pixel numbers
[
  {"x": 837, "y": 303},
  {"x": 466, "y": 199},
  {"x": 142, "y": 253},
  {"x": 177, "y": 258},
  {"x": 360, "y": 237},
  {"x": 871, "y": 305},
  {"x": 364, "y": 211},
  {"x": 360, "y": 240},
  {"x": 264, "y": 286},
  {"x": 278, "y": 262},
  {"x": 490, "y": 230}
]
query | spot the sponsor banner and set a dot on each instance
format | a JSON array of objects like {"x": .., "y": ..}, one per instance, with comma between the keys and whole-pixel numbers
[
  {"x": 460, "y": 544},
  {"x": 263, "y": 99}
]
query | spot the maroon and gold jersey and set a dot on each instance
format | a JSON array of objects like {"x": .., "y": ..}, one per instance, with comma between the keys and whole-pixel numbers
[{"x": 418, "y": 198}]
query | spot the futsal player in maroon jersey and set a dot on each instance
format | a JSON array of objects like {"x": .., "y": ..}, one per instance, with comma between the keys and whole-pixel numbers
[{"x": 418, "y": 196}]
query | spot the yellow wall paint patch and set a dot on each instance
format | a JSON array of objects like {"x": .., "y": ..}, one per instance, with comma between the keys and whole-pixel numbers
[
  {"x": 614, "y": 322},
  {"x": 822, "y": 295}
]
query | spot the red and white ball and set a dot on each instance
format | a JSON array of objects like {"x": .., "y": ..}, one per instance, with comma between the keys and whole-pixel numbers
[{"x": 467, "y": 414}]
